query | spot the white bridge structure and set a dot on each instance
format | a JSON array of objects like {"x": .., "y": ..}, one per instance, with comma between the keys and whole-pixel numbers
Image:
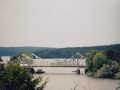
[
  {"x": 59, "y": 62},
  {"x": 75, "y": 60}
]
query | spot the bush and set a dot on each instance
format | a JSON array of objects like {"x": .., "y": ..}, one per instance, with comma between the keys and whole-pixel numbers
[
  {"x": 90, "y": 73},
  {"x": 114, "y": 67},
  {"x": 14, "y": 77},
  {"x": 104, "y": 72},
  {"x": 117, "y": 76}
]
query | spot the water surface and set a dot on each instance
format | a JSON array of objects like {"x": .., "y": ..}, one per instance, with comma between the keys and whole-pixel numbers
[{"x": 62, "y": 78}]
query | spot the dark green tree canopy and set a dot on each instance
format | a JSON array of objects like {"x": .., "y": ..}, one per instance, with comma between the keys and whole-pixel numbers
[
  {"x": 105, "y": 64},
  {"x": 14, "y": 77}
]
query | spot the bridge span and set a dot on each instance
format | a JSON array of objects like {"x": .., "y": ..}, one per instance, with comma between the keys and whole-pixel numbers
[{"x": 59, "y": 63}]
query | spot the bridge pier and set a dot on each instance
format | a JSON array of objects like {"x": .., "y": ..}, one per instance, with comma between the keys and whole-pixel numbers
[{"x": 78, "y": 71}]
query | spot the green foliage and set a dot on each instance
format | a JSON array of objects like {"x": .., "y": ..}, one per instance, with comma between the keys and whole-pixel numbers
[
  {"x": 14, "y": 77},
  {"x": 101, "y": 64},
  {"x": 89, "y": 60},
  {"x": 113, "y": 54},
  {"x": 104, "y": 72},
  {"x": 117, "y": 75},
  {"x": 98, "y": 60},
  {"x": 45, "y": 52},
  {"x": 114, "y": 67},
  {"x": 90, "y": 73}
]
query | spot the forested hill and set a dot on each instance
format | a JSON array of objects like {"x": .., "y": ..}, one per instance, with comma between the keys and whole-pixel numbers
[
  {"x": 68, "y": 52},
  {"x": 11, "y": 51},
  {"x": 45, "y": 52}
]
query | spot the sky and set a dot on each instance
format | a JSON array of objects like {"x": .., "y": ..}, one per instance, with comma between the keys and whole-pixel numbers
[{"x": 59, "y": 23}]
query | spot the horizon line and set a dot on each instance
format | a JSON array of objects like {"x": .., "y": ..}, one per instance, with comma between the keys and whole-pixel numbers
[{"x": 61, "y": 47}]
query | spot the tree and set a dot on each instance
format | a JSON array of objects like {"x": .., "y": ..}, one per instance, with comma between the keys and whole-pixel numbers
[
  {"x": 104, "y": 72},
  {"x": 113, "y": 54},
  {"x": 98, "y": 60},
  {"x": 14, "y": 77},
  {"x": 114, "y": 67},
  {"x": 89, "y": 60},
  {"x": 117, "y": 76},
  {"x": 103, "y": 64}
]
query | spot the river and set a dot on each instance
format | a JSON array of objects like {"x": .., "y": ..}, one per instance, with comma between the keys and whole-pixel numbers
[{"x": 62, "y": 78}]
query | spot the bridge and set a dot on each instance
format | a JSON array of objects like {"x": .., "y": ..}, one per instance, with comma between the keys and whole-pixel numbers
[
  {"x": 77, "y": 60},
  {"x": 74, "y": 61}
]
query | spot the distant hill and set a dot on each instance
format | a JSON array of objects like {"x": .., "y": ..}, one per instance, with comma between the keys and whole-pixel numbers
[
  {"x": 11, "y": 51},
  {"x": 68, "y": 52},
  {"x": 45, "y": 52}
]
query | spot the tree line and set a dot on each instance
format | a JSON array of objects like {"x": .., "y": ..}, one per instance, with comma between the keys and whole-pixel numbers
[
  {"x": 104, "y": 64},
  {"x": 46, "y": 52}
]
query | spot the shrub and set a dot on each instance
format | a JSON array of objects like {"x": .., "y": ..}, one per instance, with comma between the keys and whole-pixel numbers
[
  {"x": 114, "y": 67},
  {"x": 90, "y": 73},
  {"x": 117, "y": 76},
  {"x": 104, "y": 72}
]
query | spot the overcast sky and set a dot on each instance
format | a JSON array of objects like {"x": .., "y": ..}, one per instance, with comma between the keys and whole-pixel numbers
[{"x": 59, "y": 23}]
